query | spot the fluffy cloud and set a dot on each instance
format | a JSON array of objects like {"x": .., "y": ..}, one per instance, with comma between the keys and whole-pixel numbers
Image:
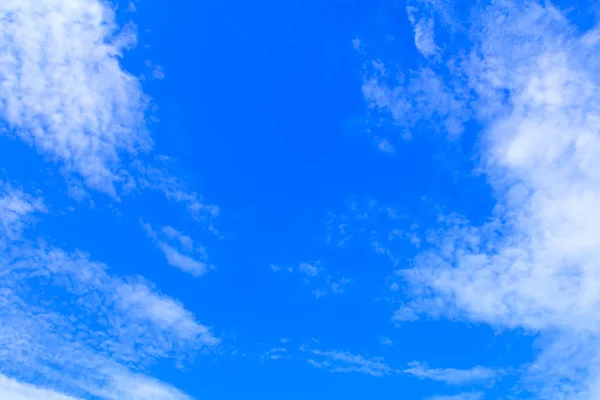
[
  {"x": 65, "y": 93},
  {"x": 424, "y": 33},
  {"x": 63, "y": 90},
  {"x": 535, "y": 264}
]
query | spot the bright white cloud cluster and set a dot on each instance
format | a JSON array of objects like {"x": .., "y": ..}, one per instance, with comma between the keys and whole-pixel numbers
[
  {"x": 536, "y": 263},
  {"x": 63, "y": 90}
]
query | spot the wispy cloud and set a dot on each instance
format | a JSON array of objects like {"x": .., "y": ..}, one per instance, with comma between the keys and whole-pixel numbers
[
  {"x": 160, "y": 179},
  {"x": 316, "y": 276},
  {"x": 181, "y": 256},
  {"x": 10, "y": 389},
  {"x": 460, "y": 396},
  {"x": 88, "y": 332},
  {"x": 534, "y": 79},
  {"x": 453, "y": 376},
  {"x": 342, "y": 361},
  {"x": 276, "y": 353}
]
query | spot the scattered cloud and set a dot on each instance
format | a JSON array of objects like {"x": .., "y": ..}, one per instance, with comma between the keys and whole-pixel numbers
[
  {"x": 417, "y": 98},
  {"x": 275, "y": 354},
  {"x": 159, "y": 179},
  {"x": 384, "y": 145},
  {"x": 386, "y": 341},
  {"x": 460, "y": 396},
  {"x": 341, "y": 361},
  {"x": 180, "y": 257},
  {"x": 87, "y": 332},
  {"x": 308, "y": 269},
  {"x": 453, "y": 376},
  {"x": 318, "y": 278}
]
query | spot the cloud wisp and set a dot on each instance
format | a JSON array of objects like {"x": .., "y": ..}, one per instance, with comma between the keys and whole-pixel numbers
[
  {"x": 452, "y": 376},
  {"x": 317, "y": 277},
  {"x": 343, "y": 361},
  {"x": 180, "y": 251},
  {"x": 85, "y": 330}
]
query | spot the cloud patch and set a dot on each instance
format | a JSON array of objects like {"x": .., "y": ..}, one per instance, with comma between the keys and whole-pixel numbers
[
  {"x": 64, "y": 91},
  {"x": 179, "y": 250}
]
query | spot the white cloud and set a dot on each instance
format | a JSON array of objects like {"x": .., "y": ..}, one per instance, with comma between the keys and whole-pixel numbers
[
  {"x": 63, "y": 90},
  {"x": 535, "y": 264},
  {"x": 384, "y": 145},
  {"x": 10, "y": 389},
  {"x": 386, "y": 341},
  {"x": 419, "y": 97},
  {"x": 424, "y": 32},
  {"x": 87, "y": 332},
  {"x": 453, "y": 376},
  {"x": 314, "y": 275},
  {"x": 185, "y": 241},
  {"x": 424, "y": 37},
  {"x": 16, "y": 208},
  {"x": 308, "y": 269},
  {"x": 159, "y": 179},
  {"x": 460, "y": 396},
  {"x": 65, "y": 93},
  {"x": 176, "y": 257},
  {"x": 158, "y": 73},
  {"x": 342, "y": 361},
  {"x": 181, "y": 261},
  {"x": 275, "y": 354}
]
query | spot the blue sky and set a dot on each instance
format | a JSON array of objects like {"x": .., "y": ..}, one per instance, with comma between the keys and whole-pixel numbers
[{"x": 320, "y": 199}]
